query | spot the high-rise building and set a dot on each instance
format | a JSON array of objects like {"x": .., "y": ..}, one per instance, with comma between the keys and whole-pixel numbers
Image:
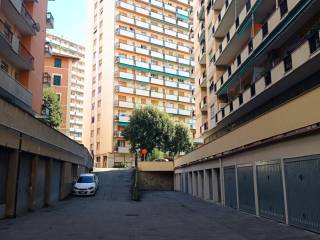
[
  {"x": 257, "y": 108},
  {"x": 140, "y": 54},
  {"x": 64, "y": 72}
]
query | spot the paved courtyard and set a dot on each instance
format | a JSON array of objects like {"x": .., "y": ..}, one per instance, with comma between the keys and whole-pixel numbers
[{"x": 160, "y": 216}]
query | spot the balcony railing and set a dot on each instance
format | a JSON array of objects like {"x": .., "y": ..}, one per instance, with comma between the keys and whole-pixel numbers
[
  {"x": 270, "y": 25},
  {"x": 304, "y": 52},
  {"x": 50, "y": 21}
]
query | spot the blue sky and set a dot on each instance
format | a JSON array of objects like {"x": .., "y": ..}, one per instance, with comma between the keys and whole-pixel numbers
[{"x": 69, "y": 19}]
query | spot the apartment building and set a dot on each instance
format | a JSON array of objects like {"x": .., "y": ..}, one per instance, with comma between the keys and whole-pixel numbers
[
  {"x": 256, "y": 104},
  {"x": 64, "y": 72},
  {"x": 140, "y": 55},
  {"x": 37, "y": 163}
]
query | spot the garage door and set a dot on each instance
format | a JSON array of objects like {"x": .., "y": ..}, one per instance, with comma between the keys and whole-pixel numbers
[
  {"x": 23, "y": 183},
  {"x": 230, "y": 187},
  {"x": 246, "y": 189},
  {"x": 55, "y": 181},
  {"x": 3, "y": 179},
  {"x": 303, "y": 191},
  {"x": 40, "y": 188},
  {"x": 270, "y": 190}
]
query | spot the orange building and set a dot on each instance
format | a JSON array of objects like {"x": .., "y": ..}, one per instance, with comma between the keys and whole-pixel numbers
[
  {"x": 58, "y": 67},
  {"x": 65, "y": 74},
  {"x": 22, "y": 44}
]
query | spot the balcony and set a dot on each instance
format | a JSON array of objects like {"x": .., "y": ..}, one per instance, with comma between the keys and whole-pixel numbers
[
  {"x": 184, "y": 86},
  {"x": 122, "y": 89},
  {"x": 156, "y": 54},
  {"x": 125, "y": 104},
  {"x": 204, "y": 127},
  {"x": 142, "y": 24},
  {"x": 19, "y": 16},
  {"x": 183, "y": 49},
  {"x": 156, "y": 28},
  {"x": 261, "y": 39},
  {"x": 156, "y": 41},
  {"x": 125, "y": 47},
  {"x": 183, "y": 24},
  {"x": 201, "y": 12},
  {"x": 203, "y": 80},
  {"x": 46, "y": 79},
  {"x": 185, "y": 99},
  {"x": 184, "y": 61},
  {"x": 170, "y": 32},
  {"x": 142, "y": 64},
  {"x": 156, "y": 94},
  {"x": 169, "y": 7},
  {"x": 142, "y": 11},
  {"x": 142, "y": 37},
  {"x": 123, "y": 149},
  {"x": 170, "y": 70},
  {"x": 48, "y": 49},
  {"x": 157, "y": 68},
  {"x": 50, "y": 20},
  {"x": 171, "y": 97},
  {"x": 12, "y": 49},
  {"x": 125, "y": 75},
  {"x": 184, "y": 112},
  {"x": 123, "y": 118},
  {"x": 143, "y": 78},
  {"x": 171, "y": 110},
  {"x": 125, "y": 33},
  {"x": 156, "y": 15},
  {"x": 14, "y": 92},
  {"x": 170, "y": 45},
  {"x": 143, "y": 51},
  {"x": 125, "y": 19},
  {"x": 171, "y": 84},
  {"x": 226, "y": 17},
  {"x": 182, "y": 12},
  {"x": 156, "y": 3},
  {"x": 290, "y": 71},
  {"x": 170, "y": 58},
  {"x": 203, "y": 105},
  {"x": 142, "y": 92}
]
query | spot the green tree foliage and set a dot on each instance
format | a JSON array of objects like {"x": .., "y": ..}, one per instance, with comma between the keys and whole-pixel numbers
[
  {"x": 154, "y": 130},
  {"x": 148, "y": 128},
  {"x": 181, "y": 140},
  {"x": 51, "y": 101}
]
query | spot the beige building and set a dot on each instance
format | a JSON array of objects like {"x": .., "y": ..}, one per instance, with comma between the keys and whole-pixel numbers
[
  {"x": 257, "y": 95},
  {"x": 140, "y": 55},
  {"x": 65, "y": 74}
]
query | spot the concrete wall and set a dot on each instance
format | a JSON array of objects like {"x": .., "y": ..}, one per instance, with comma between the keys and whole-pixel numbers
[
  {"x": 160, "y": 181},
  {"x": 155, "y": 166}
]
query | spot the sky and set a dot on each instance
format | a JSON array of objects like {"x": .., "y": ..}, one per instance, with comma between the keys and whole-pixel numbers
[{"x": 69, "y": 19}]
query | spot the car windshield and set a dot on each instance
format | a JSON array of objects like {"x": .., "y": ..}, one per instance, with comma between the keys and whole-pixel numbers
[{"x": 85, "y": 179}]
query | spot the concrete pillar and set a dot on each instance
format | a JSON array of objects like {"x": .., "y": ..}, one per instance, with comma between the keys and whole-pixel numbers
[
  {"x": 223, "y": 202},
  {"x": 48, "y": 179},
  {"x": 189, "y": 183},
  {"x": 215, "y": 185},
  {"x": 200, "y": 184},
  {"x": 66, "y": 180},
  {"x": 12, "y": 183},
  {"x": 194, "y": 184},
  {"x": 33, "y": 183},
  {"x": 206, "y": 180}
]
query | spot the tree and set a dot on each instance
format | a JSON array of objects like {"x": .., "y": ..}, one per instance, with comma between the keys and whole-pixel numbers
[
  {"x": 149, "y": 128},
  {"x": 51, "y": 102},
  {"x": 181, "y": 140}
]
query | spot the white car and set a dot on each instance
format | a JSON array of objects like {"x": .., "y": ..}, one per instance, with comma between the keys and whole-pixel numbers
[{"x": 86, "y": 185}]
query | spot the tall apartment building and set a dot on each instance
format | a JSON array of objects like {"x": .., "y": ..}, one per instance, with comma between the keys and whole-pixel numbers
[
  {"x": 140, "y": 55},
  {"x": 257, "y": 96},
  {"x": 37, "y": 163},
  {"x": 65, "y": 74}
]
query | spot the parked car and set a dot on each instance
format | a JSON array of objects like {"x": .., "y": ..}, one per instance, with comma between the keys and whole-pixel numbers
[{"x": 87, "y": 184}]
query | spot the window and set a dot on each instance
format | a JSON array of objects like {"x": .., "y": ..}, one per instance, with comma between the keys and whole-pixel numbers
[
  {"x": 57, "y": 80},
  {"x": 57, "y": 62},
  {"x": 59, "y": 96}
]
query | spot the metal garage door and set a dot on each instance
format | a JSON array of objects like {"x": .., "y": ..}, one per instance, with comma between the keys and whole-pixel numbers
[
  {"x": 246, "y": 189},
  {"x": 40, "y": 188},
  {"x": 230, "y": 187},
  {"x": 55, "y": 181},
  {"x": 303, "y": 192},
  {"x": 3, "y": 179},
  {"x": 270, "y": 190},
  {"x": 23, "y": 183}
]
